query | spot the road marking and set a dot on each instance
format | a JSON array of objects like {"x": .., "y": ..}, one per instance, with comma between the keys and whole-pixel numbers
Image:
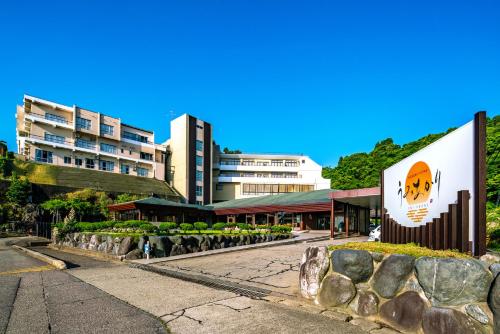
[{"x": 28, "y": 270}]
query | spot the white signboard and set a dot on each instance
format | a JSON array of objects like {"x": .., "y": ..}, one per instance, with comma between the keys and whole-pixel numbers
[{"x": 420, "y": 187}]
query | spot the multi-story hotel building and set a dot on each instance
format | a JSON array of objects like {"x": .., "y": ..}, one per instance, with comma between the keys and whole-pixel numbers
[
  {"x": 190, "y": 161},
  {"x": 52, "y": 133},
  {"x": 250, "y": 175}
]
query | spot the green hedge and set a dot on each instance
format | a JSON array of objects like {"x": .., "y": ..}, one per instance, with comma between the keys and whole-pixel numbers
[
  {"x": 186, "y": 226},
  {"x": 243, "y": 226},
  {"x": 200, "y": 226},
  {"x": 167, "y": 226},
  {"x": 219, "y": 226},
  {"x": 91, "y": 227},
  {"x": 281, "y": 229},
  {"x": 131, "y": 224}
]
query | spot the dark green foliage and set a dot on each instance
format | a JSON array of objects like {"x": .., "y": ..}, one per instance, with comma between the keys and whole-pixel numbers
[
  {"x": 228, "y": 151},
  {"x": 230, "y": 225},
  {"x": 493, "y": 159},
  {"x": 19, "y": 191},
  {"x": 281, "y": 229},
  {"x": 219, "y": 226},
  {"x": 200, "y": 226},
  {"x": 262, "y": 227},
  {"x": 6, "y": 166},
  {"x": 122, "y": 198},
  {"x": 186, "y": 226},
  {"x": 243, "y": 226},
  {"x": 167, "y": 226}
]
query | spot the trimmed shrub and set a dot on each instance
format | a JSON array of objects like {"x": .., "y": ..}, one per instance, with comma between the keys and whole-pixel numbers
[
  {"x": 243, "y": 226},
  {"x": 167, "y": 226},
  {"x": 281, "y": 229},
  {"x": 263, "y": 227},
  {"x": 186, "y": 226},
  {"x": 147, "y": 227},
  {"x": 200, "y": 226},
  {"x": 92, "y": 227},
  {"x": 219, "y": 226},
  {"x": 230, "y": 225}
]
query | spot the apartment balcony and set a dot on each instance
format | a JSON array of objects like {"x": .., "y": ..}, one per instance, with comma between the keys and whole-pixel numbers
[
  {"x": 55, "y": 121},
  {"x": 81, "y": 146},
  {"x": 259, "y": 168},
  {"x": 265, "y": 180}
]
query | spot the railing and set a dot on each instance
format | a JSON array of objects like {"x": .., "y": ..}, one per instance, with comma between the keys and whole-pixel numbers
[
  {"x": 136, "y": 138},
  {"x": 50, "y": 138},
  {"x": 85, "y": 144},
  {"x": 50, "y": 117}
]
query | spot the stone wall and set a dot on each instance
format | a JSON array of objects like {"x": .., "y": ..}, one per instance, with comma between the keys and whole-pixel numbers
[
  {"x": 424, "y": 295},
  {"x": 132, "y": 248}
]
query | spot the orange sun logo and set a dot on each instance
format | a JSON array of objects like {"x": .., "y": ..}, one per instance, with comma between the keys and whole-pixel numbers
[{"x": 418, "y": 183}]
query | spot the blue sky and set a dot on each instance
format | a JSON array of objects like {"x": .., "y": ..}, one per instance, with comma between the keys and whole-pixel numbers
[{"x": 323, "y": 78}]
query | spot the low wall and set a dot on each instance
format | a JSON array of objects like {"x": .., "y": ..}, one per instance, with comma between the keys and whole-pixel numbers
[
  {"x": 424, "y": 295},
  {"x": 131, "y": 248}
]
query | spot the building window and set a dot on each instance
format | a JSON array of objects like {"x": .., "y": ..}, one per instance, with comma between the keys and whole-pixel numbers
[
  {"x": 78, "y": 162},
  {"x": 85, "y": 144},
  {"x": 107, "y": 129},
  {"x": 89, "y": 163},
  {"x": 199, "y": 160},
  {"x": 108, "y": 148},
  {"x": 219, "y": 186},
  {"x": 83, "y": 123},
  {"x": 55, "y": 118},
  {"x": 252, "y": 189},
  {"x": 199, "y": 127},
  {"x": 199, "y": 175},
  {"x": 108, "y": 166},
  {"x": 146, "y": 156},
  {"x": 199, "y": 145},
  {"x": 291, "y": 163},
  {"x": 135, "y": 137},
  {"x": 142, "y": 171},
  {"x": 199, "y": 202},
  {"x": 121, "y": 150},
  {"x": 277, "y": 163},
  {"x": 67, "y": 160},
  {"x": 43, "y": 156},
  {"x": 199, "y": 191},
  {"x": 125, "y": 169},
  {"x": 53, "y": 138}
]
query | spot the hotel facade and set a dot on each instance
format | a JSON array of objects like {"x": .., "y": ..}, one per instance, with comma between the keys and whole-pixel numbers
[{"x": 190, "y": 161}]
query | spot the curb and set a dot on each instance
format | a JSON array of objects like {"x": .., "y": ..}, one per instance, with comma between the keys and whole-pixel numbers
[
  {"x": 88, "y": 253},
  {"x": 45, "y": 258},
  {"x": 227, "y": 250}
]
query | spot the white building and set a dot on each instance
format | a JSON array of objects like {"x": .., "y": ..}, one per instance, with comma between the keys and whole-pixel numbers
[{"x": 249, "y": 175}]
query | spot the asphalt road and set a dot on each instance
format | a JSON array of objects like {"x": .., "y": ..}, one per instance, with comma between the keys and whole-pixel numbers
[{"x": 36, "y": 298}]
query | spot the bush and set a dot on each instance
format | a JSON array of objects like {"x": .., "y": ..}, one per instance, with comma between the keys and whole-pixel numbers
[
  {"x": 131, "y": 224},
  {"x": 231, "y": 225},
  {"x": 167, "y": 226},
  {"x": 186, "y": 226},
  {"x": 200, "y": 226},
  {"x": 147, "y": 227},
  {"x": 281, "y": 229},
  {"x": 263, "y": 227},
  {"x": 243, "y": 226},
  {"x": 219, "y": 226},
  {"x": 92, "y": 227}
]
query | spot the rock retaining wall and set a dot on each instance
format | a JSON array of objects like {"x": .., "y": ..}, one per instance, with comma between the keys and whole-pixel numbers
[
  {"x": 424, "y": 295},
  {"x": 131, "y": 248}
]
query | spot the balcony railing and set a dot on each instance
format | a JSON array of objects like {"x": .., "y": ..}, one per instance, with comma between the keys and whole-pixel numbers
[
  {"x": 51, "y": 138},
  {"x": 50, "y": 117},
  {"x": 85, "y": 144}
]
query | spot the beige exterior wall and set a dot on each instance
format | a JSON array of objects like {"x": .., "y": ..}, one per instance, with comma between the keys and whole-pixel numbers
[
  {"x": 32, "y": 136},
  {"x": 229, "y": 191}
]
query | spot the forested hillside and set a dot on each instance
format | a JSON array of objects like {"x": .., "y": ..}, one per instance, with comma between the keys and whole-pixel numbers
[{"x": 361, "y": 170}]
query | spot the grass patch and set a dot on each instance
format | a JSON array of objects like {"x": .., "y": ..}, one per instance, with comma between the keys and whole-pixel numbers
[
  {"x": 407, "y": 249},
  {"x": 180, "y": 233}
]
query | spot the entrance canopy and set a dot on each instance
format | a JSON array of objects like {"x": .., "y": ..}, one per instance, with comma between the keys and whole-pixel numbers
[{"x": 367, "y": 197}]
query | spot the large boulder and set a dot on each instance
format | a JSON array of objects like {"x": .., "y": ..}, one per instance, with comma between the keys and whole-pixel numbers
[
  {"x": 94, "y": 242},
  {"x": 160, "y": 246},
  {"x": 134, "y": 254},
  {"x": 336, "y": 289},
  {"x": 391, "y": 275},
  {"x": 355, "y": 264},
  {"x": 494, "y": 303},
  {"x": 313, "y": 267},
  {"x": 125, "y": 246},
  {"x": 405, "y": 312},
  {"x": 446, "y": 320},
  {"x": 451, "y": 282},
  {"x": 365, "y": 303}
]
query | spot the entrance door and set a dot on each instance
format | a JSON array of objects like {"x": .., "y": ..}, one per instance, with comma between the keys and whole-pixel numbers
[{"x": 323, "y": 223}]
